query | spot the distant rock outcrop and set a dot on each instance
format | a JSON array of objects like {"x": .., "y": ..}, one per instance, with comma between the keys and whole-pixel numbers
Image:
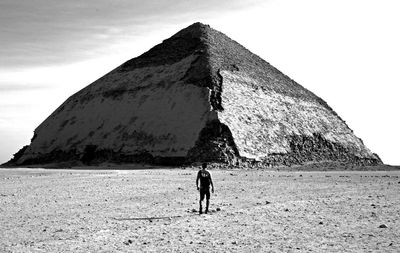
[{"x": 197, "y": 96}]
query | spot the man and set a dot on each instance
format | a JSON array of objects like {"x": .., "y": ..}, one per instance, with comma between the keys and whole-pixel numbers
[{"x": 205, "y": 180}]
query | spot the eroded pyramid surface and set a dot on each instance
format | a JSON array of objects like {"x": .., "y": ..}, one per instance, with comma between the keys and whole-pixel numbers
[{"x": 197, "y": 96}]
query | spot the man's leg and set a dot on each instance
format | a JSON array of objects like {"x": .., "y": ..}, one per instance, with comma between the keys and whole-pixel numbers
[
  {"x": 207, "y": 200},
  {"x": 201, "y": 199}
]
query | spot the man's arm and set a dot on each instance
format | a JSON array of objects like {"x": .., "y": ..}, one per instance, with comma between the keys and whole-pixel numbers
[
  {"x": 212, "y": 185},
  {"x": 197, "y": 180}
]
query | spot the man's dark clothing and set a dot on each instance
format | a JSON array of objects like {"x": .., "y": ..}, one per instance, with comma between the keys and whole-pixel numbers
[
  {"x": 204, "y": 193},
  {"x": 205, "y": 181}
]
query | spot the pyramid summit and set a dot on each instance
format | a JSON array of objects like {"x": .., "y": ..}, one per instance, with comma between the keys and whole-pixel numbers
[{"x": 197, "y": 96}]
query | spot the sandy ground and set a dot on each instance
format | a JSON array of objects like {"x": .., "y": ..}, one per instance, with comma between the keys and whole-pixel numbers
[{"x": 260, "y": 211}]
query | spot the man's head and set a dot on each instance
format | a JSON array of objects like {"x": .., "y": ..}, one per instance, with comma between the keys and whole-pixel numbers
[{"x": 204, "y": 166}]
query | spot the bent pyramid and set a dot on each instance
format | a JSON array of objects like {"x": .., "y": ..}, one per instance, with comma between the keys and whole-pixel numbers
[{"x": 197, "y": 96}]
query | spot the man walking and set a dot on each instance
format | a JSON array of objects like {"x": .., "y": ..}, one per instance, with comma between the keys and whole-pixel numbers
[{"x": 205, "y": 180}]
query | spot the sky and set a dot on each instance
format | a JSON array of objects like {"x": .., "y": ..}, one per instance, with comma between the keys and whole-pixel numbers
[{"x": 345, "y": 51}]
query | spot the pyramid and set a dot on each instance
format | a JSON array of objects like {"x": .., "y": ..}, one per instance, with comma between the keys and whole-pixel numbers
[{"x": 199, "y": 96}]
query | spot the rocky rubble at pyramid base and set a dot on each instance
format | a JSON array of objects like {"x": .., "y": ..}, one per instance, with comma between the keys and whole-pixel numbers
[
  {"x": 92, "y": 156},
  {"x": 304, "y": 149},
  {"x": 220, "y": 151},
  {"x": 316, "y": 149}
]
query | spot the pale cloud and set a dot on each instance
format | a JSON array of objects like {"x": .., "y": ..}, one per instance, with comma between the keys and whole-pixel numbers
[
  {"x": 46, "y": 32},
  {"x": 19, "y": 87}
]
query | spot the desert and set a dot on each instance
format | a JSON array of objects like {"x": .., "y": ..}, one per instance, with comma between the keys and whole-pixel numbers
[
  {"x": 154, "y": 209},
  {"x": 109, "y": 109}
]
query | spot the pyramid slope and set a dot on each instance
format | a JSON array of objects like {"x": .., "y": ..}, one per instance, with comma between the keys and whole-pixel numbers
[
  {"x": 138, "y": 112},
  {"x": 197, "y": 96}
]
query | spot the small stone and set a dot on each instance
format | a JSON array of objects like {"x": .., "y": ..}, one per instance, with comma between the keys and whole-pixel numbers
[
  {"x": 194, "y": 210},
  {"x": 383, "y": 226},
  {"x": 320, "y": 223},
  {"x": 286, "y": 210},
  {"x": 218, "y": 209},
  {"x": 267, "y": 202},
  {"x": 234, "y": 242}
]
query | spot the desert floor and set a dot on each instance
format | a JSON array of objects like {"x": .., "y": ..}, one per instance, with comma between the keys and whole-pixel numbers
[{"x": 44, "y": 210}]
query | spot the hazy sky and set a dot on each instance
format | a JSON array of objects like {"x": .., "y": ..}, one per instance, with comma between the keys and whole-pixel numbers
[{"x": 345, "y": 51}]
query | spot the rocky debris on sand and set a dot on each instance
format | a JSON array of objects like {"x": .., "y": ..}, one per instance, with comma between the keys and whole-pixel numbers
[{"x": 129, "y": 241}]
